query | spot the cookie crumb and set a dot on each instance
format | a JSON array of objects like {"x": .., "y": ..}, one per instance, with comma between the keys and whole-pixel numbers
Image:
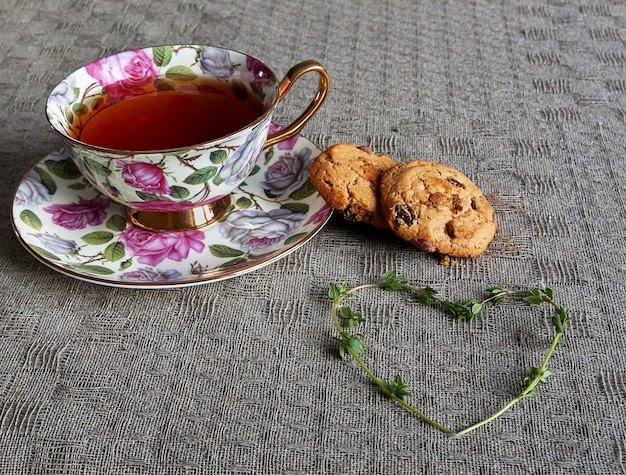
[{"x": 447, "y": 261}]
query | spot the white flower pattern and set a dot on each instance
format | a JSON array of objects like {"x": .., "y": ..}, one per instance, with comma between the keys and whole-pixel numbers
[{"x": 239, "y": 165}]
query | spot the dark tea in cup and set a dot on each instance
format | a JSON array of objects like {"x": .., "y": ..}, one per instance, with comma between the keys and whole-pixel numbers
[{"x": 168, "y": 119}]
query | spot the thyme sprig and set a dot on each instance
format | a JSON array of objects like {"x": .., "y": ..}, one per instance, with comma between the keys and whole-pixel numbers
[{"x": 351, "y": 343}]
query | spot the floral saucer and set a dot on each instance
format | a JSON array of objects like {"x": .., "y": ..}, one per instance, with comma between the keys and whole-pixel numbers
[{"x": 67, "y": 225}]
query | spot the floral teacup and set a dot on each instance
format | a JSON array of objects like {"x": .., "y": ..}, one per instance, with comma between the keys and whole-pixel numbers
[{"x": 185, "y": 187}]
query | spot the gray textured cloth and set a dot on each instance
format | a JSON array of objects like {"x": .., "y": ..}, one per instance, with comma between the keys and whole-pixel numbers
[{"x": 242, "y": 376}]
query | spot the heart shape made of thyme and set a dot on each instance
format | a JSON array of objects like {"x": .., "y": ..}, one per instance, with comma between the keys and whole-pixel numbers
[{"x": 346, "y": 320}]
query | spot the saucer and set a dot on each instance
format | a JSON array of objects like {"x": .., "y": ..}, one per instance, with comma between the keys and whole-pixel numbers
[{"x": 69, "y": 226}]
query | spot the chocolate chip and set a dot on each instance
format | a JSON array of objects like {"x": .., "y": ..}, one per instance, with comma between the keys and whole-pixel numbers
[
  {"x": 473, "y": 204},
  {"x": 455, "y": 182},
  {"x": 450, "y": 229},
  {"x": 434, "y": 199},
  {"x": 456, "y": 204},
  {"x": 405, "y": 214},
  {"x": 366, "y": 149}
]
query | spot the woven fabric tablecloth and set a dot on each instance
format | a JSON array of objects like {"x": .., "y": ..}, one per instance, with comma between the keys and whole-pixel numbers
[{"x": 242, "y": 376}]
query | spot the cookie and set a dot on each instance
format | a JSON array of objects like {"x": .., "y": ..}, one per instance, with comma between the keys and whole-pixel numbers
[
  {"x": 437, "y": 208},
  {"x": 348, "y": 179}
]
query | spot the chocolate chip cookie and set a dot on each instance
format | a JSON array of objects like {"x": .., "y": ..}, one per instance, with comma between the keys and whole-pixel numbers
[
  {"x": 348, "y": 179},
  {"x": 437, "y": 208}
]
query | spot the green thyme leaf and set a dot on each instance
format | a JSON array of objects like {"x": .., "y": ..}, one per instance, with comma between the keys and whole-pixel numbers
[
  {"x": 535, "y": 297},
  {"x": 354, "y": 342},
  {"x": 335, "y": 291},
  {"x": 397, "y": 387},
  {"x": 393, "y": 281},
  {"x": 547, "y": 290},
  {"x": 350, "y": 319}
]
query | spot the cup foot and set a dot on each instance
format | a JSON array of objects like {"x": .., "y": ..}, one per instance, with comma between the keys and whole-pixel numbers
[{"x": 172, "y": 221}]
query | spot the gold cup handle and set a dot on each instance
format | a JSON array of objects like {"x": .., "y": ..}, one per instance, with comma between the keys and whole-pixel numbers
[{"x": 294, "y": 73}]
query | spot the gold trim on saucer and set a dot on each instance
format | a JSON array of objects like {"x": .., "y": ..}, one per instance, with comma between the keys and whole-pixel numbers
[
  {"x": 172, "y": 221},
  {"x": 108, "y": 256}
]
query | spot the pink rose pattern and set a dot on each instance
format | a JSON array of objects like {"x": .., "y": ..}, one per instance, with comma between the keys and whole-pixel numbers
[
  {"x": 152, "y": 248},
  {"x": 288, "y": 144},
  {"x": 79, "y": 215},
  {"x": 146, "y": 177},
  {"x": 261, "y": 73},
  {"x": 319, "y": 216},
  {"x": 135, "y": 67}
]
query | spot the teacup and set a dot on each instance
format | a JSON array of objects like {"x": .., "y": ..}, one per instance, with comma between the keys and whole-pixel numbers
[{"x": 170, "y": 131}]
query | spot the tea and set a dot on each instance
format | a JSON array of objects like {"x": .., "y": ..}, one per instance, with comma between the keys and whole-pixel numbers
[{"x": 168, "y": 119}]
